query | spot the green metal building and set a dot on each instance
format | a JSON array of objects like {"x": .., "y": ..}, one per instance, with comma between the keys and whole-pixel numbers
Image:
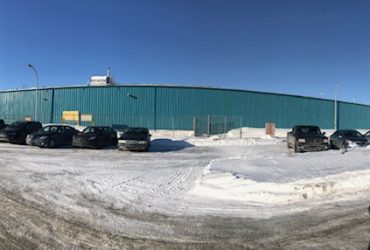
[{"x": 180, "y": 108}]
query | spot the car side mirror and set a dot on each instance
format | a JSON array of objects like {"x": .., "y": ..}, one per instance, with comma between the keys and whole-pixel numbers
[
  {"x": 324, "y": 133},
  {"x": 150, "y": 135}
]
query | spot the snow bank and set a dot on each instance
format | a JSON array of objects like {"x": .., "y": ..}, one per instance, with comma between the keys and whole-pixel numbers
[
  {"x": 276, "y": 178},
  {"x": 172, "y": 133},
  {"x": 261, "y": 133}
]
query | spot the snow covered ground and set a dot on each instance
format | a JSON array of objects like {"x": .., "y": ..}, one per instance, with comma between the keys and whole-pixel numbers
[
  {"x": 232, "y": 178},
  {"x": 242, "y": 177},
  {"x": 268, "y": 180}
]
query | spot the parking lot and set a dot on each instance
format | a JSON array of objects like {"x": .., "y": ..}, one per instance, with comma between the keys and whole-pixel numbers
[{"x": 189, "y": 191}]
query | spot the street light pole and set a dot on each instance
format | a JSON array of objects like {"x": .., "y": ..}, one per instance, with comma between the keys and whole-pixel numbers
[
  {"x": 335, "y": 103},
  {"x": 37, "y": 90}
]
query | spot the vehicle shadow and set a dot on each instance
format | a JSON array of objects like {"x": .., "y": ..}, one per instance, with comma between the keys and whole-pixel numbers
[
  {"x": 156, "y": 145},
  {"x": 71, "y": 147},
  {"x": 167, "y": 145},
  {"x": 109, "y": 147}
]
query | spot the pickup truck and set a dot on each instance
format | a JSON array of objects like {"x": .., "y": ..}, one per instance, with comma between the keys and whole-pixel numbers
[{"x": 305, "y": 138}]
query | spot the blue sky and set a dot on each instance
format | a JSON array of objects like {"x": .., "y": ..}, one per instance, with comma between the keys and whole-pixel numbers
[{"x": 294, "y": 47}]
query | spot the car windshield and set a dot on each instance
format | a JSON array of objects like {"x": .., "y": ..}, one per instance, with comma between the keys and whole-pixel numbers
[
  {"x": 136, "y": 131},
  {"x": 16, "y": 125},
  {"x": 49, "y": 129},
  {"x": 92, "y": 130},
  {"x": 352, "y": 133},
  {"x": 309, "y": 130}
]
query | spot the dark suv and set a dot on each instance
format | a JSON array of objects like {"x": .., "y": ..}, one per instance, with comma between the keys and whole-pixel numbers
[{"x": 18, "y": 131}]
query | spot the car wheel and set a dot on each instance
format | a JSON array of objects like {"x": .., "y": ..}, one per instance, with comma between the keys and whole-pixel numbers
[
  {"x": 296, "y": 149},
  {"x": 51, "y": 143},
  {"x": 98, "y": 145},
  {"x": 22, "y": 140}
]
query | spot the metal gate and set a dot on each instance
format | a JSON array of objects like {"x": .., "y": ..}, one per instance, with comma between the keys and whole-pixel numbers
[{"x": 213, "y": 125}]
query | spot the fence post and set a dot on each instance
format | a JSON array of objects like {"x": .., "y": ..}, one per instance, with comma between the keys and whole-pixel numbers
[
  {"x": 241, "y": 127},
  {"x": 209, "y": 125},
  {"x": 225, "y": 125},
  {"x": 173, "y": 126},
  {"x": 195, "y": 125}
]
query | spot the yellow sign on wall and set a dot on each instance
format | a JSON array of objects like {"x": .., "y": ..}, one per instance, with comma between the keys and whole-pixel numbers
[{"x": 71, "y": 116}]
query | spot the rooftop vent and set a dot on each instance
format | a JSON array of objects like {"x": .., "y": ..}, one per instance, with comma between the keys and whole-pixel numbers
[{"x": 102, "y": 80}]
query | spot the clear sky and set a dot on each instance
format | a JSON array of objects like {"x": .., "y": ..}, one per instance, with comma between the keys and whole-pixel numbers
[{"x": 303, "y": 47}]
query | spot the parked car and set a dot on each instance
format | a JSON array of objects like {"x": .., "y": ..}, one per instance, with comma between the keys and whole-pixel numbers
[
  {"x": 52, "y": 136},
  {"x": 18, "y": 131},
  {"x": 346, "y": 138},
  {"x": 307, "y": 138},
  {"x": 367, "y": 136},
  {"x": 2, "y": 124},
  {"x": 95, "y": 137},
  {"x": 136, "y": 139}
]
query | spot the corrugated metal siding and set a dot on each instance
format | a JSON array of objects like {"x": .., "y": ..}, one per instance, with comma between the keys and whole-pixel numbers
[
  {"x": 17, "y": 105},
  {"x": 255, "y": 108},
  {"x": 109, "y": 105},
  {"x": 353, "y": 116},
  {"x": 165, "y": 107}
]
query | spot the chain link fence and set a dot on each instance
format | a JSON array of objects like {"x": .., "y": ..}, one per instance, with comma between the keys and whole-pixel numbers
[{"x": 215, "y": 125}]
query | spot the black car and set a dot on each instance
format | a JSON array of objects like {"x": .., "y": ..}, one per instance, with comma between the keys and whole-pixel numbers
[
  {"x": 52, "y": 136},
  {"x": 347, "y": 138},
  {"x": 367, "y": 136},
  {"x": 2, "y": 124},
  {"x": 137, "y": 139},
  {"x": 17, "y": 131},
  {"x": 95, "y": 137}
]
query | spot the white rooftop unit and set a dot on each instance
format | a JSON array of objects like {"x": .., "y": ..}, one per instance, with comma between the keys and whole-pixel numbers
[{"x": 101, "y": 80}]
